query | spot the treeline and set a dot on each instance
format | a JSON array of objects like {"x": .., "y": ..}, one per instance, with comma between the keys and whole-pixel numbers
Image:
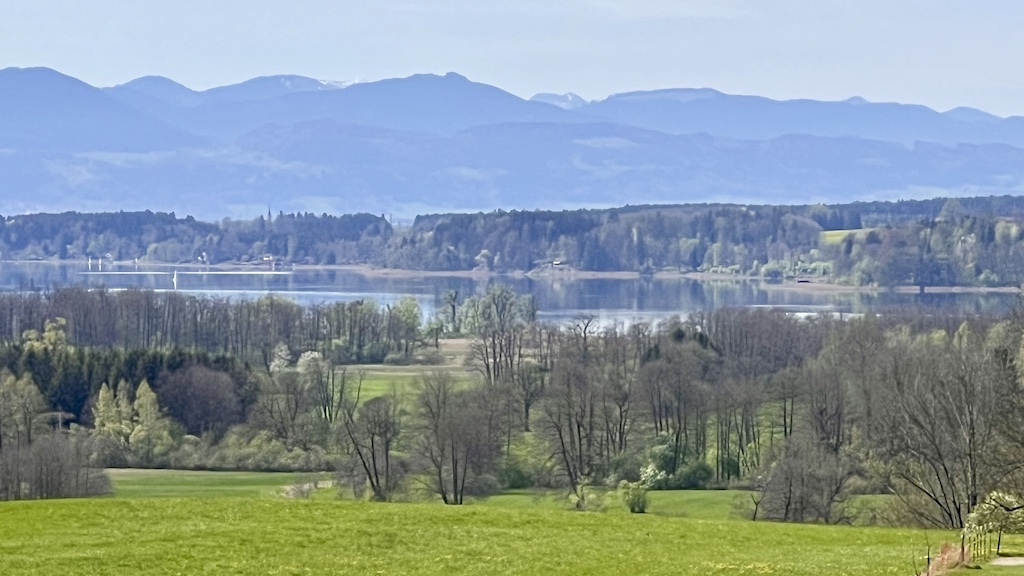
[
  {"x": 91, "y": 379},
  {"x": 244, "y": 330},
  {"x": 68, "y": 377},
  {"x": 56, "y": 430},
  {"x": 965, "y": 242},
  {"x": 968, "y": 242},
  {"x": 715, "y": 238},
  {"x": 161, "y": 237},
  {"x": 38, "y": 457},
  {"x": 805, "y": 413}
]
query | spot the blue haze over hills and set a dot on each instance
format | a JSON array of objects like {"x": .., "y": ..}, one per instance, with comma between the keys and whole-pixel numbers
[{"x": 443, "y": 143}]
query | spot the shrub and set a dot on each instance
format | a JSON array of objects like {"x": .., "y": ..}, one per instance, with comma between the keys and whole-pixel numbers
[
  {"x": 481, "y": 485},
  {"x": 625, "y": 466},
  {"x": 304, "y": 487},
  {"x": 241, "y": 450},
  {"x": 55, "y": 465},
  {"x": 430, "y": 357},
  {"x": 425, "y": 357},
  {"x": 527, "y": 464},
  {"x": 397, "y": 359},
  {"x": 587, "y": 499},
  {"x": 634, "y": 496},
  {"x": 695, "y": 476}
]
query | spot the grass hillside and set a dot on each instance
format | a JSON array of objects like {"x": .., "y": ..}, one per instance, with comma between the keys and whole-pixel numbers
[
  {"x": 174, "y": 522},
  {"x": 696, "y": 504},
  {"x": 131, "y": 483},
  {"x": 831, "y": 237},
  {"x": 379, "y": 380},
  {"x": 277, "y": 536}
]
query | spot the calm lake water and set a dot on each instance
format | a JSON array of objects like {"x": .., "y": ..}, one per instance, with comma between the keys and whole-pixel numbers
[{"x": 557, "y": 298}]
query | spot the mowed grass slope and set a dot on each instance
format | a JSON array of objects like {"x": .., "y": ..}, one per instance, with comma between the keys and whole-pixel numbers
[
  {"x": 836, "y": 236},
  {"x": 277, "y": 536},
  {"x": 696, "y": 504},
  {"x": 379, "y": 379},
  {"x": 137, "y": 483},
  {"x": 134, "y": 483}
]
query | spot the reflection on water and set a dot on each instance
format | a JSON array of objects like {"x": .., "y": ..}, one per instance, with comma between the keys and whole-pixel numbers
[{"x": 556, "y": 298}]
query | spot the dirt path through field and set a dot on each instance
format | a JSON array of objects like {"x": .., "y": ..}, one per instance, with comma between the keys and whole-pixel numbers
[{"x": 1008, "y": 561}]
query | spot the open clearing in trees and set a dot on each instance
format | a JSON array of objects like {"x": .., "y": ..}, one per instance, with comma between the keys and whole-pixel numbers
[
  {"x": 381, "y": 379},
  {"x": 237, "y": 523}
]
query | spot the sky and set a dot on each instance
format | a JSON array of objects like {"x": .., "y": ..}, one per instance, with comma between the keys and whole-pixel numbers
[{"x": 941, "y": 53}]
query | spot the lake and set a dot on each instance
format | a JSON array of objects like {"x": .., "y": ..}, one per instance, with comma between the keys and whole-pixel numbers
[{"x": 557, "y": 298}]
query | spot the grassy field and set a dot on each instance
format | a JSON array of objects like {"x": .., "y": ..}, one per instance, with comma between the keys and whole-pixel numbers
[
  {"x": 134, "y": 483},
  {"x": 379, "y": 379},
  {"x": 694, "y": 504},
  {"x": 836, "y": 236},
  {"x": 186, "y": 483},
  {"x": 176, "y": 522},
  {"x": 278, "y": 536}
]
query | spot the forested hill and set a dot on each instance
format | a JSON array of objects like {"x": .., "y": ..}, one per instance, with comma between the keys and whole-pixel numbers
[
  {"x": 161, "y": 237},
  {"x": 968, "y": 242}
]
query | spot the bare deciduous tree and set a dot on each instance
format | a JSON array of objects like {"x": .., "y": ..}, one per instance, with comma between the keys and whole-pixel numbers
[
  {"x": 372, "y": 431},
  {"x": 453, "y": 437},
  {"x": 945, "y": 423}
]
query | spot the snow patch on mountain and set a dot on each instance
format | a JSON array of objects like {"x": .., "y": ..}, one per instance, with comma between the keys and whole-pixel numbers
[{"x": 568, "y": 101}]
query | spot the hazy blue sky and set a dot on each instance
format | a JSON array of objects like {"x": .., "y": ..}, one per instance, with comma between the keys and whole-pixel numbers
[{"x": 942, "y": 53}]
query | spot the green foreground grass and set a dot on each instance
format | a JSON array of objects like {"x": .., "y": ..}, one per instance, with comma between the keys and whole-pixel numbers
[
  {"x": 178, "y": 522},
  {"x": 278, "y": 536}
]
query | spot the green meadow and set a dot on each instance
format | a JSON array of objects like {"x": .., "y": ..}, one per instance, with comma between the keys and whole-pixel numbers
[
  {"x": 837, "y": 236},
  {"x": 379, "y": 379},
  {"x": 197, "y": 484},
  {"x": 176, "y": 522},
  {"x": 695, "y": 504}
]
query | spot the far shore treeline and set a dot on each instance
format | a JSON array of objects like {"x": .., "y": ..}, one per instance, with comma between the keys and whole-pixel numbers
[{"x": 940, "y": 242}]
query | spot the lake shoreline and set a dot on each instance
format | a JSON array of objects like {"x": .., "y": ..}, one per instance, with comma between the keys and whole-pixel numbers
[{"x": 808, "y": 285}]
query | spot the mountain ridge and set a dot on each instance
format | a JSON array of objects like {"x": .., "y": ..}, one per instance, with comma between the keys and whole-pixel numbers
[
  {"x": 46, "y": 109},
  {"x": 428, "y": 142}
]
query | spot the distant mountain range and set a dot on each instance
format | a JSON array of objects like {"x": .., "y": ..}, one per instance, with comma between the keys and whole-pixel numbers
[{"x": 429, "y": 143}]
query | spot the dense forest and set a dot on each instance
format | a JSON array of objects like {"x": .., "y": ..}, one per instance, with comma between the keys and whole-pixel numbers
[
  {"x": 161, "y": 237},
  {"x": 806, "y": 413},
  {"x": 962, "y": 242}
]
